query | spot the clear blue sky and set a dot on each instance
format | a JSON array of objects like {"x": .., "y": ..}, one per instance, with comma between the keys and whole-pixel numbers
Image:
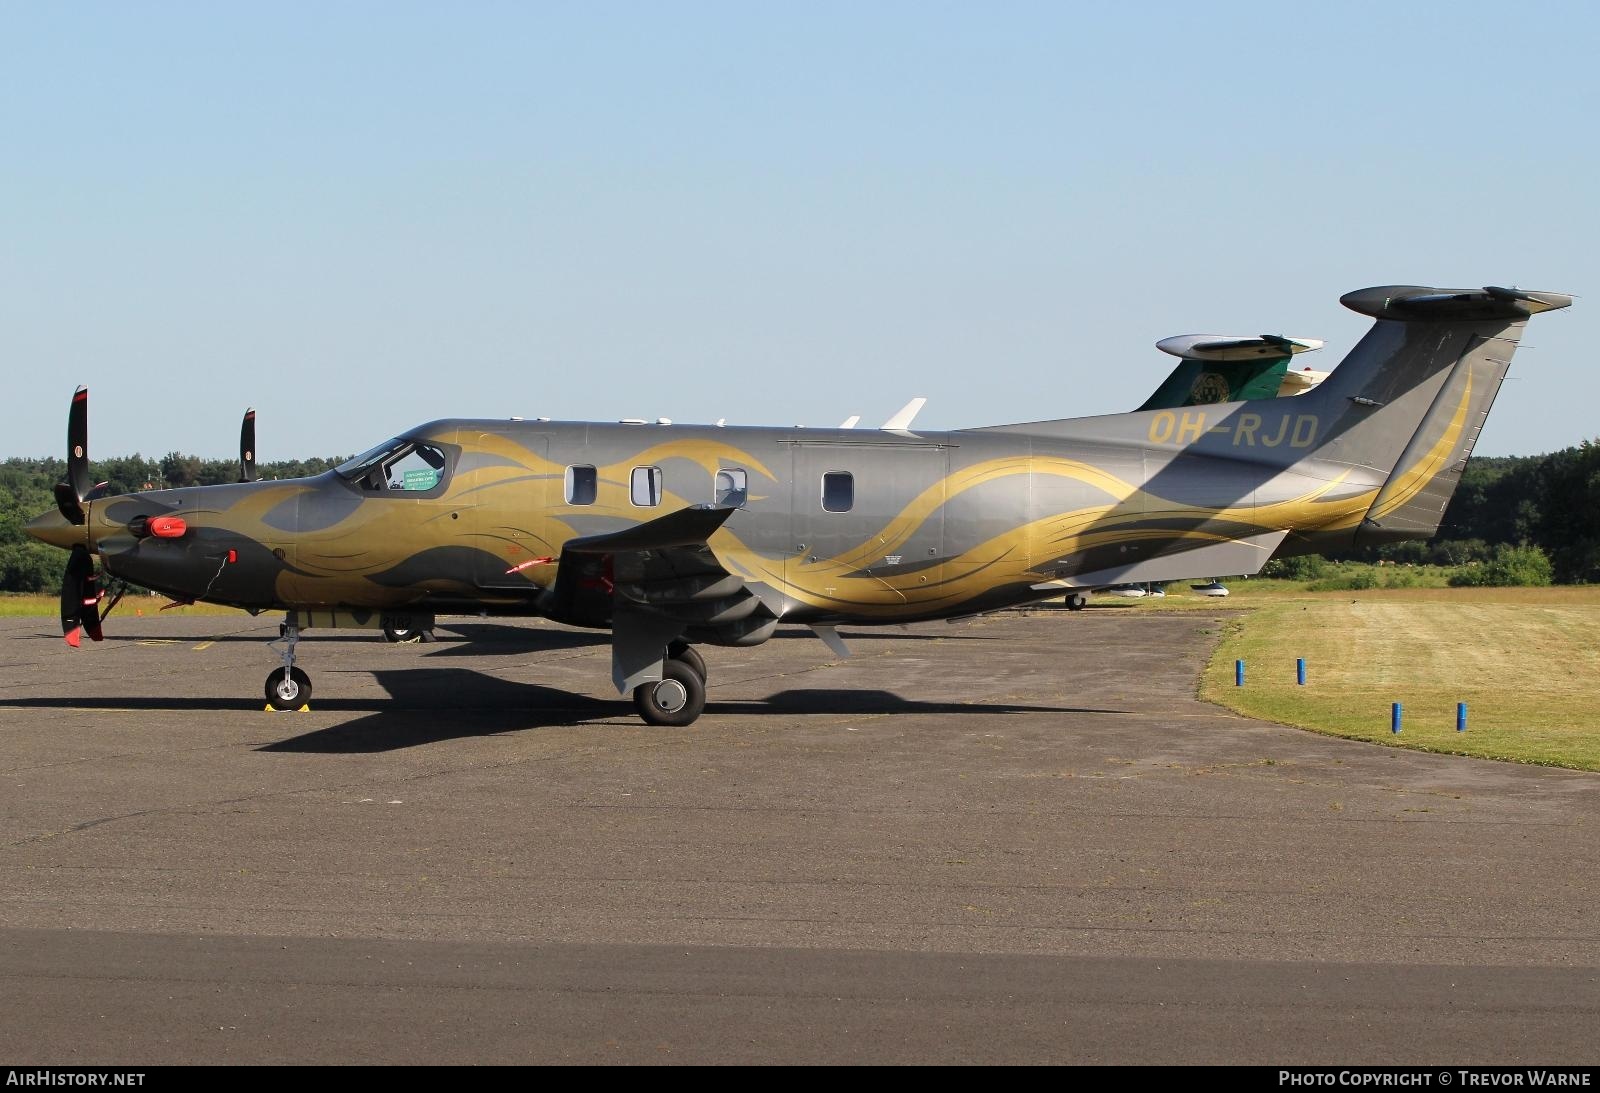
[{"x": 360, "y": 216}]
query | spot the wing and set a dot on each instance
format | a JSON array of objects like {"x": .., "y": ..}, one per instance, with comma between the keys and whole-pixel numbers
[{"x": 653, "y": 584}]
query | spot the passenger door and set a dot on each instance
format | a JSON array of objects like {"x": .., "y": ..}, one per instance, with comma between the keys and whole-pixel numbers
[
  {"x": 867, "y": 524},
  {"x": 509, "y": 484}
]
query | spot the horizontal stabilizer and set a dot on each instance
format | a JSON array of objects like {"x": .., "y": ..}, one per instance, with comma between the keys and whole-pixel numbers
[
  {"x": 1414, "y": 303},
  {"x": 1215, "y": 347}
]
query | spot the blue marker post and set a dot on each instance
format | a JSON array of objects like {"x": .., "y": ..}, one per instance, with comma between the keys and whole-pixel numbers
[
  {"x": 1461, "y": 717},
  {"x": 1238, "y": 673},
  {"x": 1394, "y": 719},
  {"x": 1300, "y": 671}
]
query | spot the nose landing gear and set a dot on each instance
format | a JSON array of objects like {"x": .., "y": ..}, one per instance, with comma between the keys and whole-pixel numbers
[{"x": 288, "y": 688}]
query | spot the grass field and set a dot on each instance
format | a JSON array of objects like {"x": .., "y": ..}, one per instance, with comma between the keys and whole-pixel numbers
[
  {"x": 19, "y": 605},
  {"x": 1525, "y": 660}
]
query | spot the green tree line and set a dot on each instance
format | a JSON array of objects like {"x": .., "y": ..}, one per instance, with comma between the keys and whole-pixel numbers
[
  {"x": 27, "y": 489},
  {"x": 1518, "y": 511}
]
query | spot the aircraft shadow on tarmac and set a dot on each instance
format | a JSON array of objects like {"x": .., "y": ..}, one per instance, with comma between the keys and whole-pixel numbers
[
  {"x": 478, "y": 705},
  {"x": 426, "y": 705},
  {"x": 493, "y": 639}
]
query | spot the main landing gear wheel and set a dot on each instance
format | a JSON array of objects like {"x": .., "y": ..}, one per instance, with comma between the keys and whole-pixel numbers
[
  {"x": 402, "y": 635},
  {"x": 682, "y": 650},
  {"x": 288, "y": 694},
  {"x": 676, "y": 699}
]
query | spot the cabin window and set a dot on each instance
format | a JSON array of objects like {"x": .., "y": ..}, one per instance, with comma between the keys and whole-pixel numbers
[
  {"x": 582, "y": 485},
  {"x": 838, "y": 491},
  {"x": 731, "y": 487},
  {"x": 644, "y": 487}
]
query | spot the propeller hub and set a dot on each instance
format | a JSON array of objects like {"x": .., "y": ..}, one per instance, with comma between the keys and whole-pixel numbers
[{"x": 53, "y": 528}]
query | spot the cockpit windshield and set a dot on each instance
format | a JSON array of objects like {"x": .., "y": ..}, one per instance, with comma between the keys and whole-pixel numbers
[{"x": 400, "y": 465}]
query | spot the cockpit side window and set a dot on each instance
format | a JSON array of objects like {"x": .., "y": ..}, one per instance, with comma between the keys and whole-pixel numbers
[{"x": 398, "y": 467}]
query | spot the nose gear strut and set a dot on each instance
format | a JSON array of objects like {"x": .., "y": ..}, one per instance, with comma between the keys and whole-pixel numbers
[{"x": 288, "y": 688}]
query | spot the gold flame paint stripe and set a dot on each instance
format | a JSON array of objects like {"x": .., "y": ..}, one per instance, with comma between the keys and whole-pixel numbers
[{"x": 1428, "y": 467}]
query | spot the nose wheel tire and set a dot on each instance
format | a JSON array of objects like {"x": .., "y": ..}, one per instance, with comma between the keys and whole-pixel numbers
[
  {"x": 674, "y": 700},
  {"x": 402, "y": 635},
  {"x": 288, "y": 694}
]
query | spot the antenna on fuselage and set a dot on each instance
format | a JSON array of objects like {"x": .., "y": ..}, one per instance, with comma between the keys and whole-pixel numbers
[{"x": 908, "y": 413}]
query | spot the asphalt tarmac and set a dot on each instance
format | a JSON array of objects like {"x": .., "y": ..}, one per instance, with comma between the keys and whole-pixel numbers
[{"x": 1018, "y": 840}]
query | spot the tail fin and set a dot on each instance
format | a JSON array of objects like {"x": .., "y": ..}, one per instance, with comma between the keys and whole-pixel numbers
[
  {"x": 1225, "y": 369},
  {"x": 1411, "y": 398}
]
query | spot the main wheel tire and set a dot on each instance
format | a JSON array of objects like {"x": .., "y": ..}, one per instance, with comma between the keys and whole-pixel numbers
[
  {"x": 288, "y": 694},
  {"x": 676, "y": 699},
  {"x": 402, "y": 635},
  {"x": 682, "y": 650}
]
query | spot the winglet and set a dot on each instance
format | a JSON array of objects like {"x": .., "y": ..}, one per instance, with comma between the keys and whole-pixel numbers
[{"x": 850, "y": 422}]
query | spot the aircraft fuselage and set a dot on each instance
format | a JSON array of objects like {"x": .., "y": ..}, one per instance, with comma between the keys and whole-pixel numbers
[{"x": 828, "y": 525}]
